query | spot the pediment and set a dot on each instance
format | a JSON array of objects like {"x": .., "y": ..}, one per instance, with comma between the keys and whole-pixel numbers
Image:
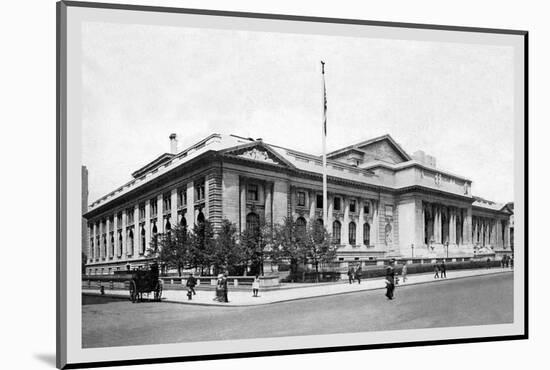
[{"x": 259, "y": 153}]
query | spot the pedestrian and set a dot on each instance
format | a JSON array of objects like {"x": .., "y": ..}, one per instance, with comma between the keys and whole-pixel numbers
[
  {"x": 191, "y": 283},
  {"x": 390, "y": 280},
  {"x": 511, "y": 262},
  {"x": 358, "y": 273},
  {"x": 219, "y": 289},
  {"x": 488, "y": 263},
  {"x": 404, "y": 272},
  {"x": 224, "y": 284},
  {"x": 443, "y": 269},
  {"x": 436, "y": 271},
  {"x": 255, "y": 286},
  {"x": 350, "y": 275}
]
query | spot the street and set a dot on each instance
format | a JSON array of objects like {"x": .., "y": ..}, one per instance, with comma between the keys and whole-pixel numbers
[{"x": 468, "y": 301}]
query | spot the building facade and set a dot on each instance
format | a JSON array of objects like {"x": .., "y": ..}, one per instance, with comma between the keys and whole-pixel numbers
[{"x": 382, "y": 202}]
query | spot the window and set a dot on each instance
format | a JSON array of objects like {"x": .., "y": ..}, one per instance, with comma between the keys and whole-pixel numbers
[
  {"x": 154, "y": 207},
  {"x": 92, "y": 248},
  {"x": 183, "y": 221},
  {"x": 142, "y": 211},
  {"x": 337, "y": 204},
  {"x": 366, "y": 234},
  {"x": 119, "y": 254},
  {"x": 366, "y": 209},
  {"x": 389, "y": 211},
  {"x": 252, "y": 192},
  {"x": 200, "y": 217},
  {"x": 301, "y": 199},
  {"x": 199, "y": 191},
  {"x": 300, "y": 227},
  {"x": 182, "y": 197},
  {"x": 166, "y": 203},
  {"x": 119, "y": 220},
  {"x": 130, "y": 241},
  {"x": 154, "y": 231},
  {"x": 130, "y": 216},
  {"x": 352, "y": 233},
  {"x": 319, "y": 201},
  {"x": 253, "y": 222},
  {"x": 143, "y": 241},
  {"x": 112, "y": 251},
  {"x": 352, "y": 206},
  {"x": 336, "y": 231}
]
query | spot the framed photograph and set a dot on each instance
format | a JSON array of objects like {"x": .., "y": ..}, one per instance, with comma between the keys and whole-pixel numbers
[{"x": 238, "y": 184}]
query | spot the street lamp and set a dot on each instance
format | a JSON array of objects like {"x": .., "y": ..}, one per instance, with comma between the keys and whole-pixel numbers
[{"x": 412, "y": 250}]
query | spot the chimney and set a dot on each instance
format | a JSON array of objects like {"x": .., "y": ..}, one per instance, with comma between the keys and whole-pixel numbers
[{"x": 173, "y": 144}]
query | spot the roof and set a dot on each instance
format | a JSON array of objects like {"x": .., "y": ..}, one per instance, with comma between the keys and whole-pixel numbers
[{"x": 363, "y": 144}]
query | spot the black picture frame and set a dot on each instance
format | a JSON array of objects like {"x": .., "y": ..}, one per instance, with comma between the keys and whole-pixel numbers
[{"x": 61, "y": 102}]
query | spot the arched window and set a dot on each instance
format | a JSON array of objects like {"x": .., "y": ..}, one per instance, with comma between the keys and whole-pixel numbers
[
  {"x": 155, "y": 234},
  {"x": 112, "y": 251},
  {"x": 130, "y": 241},
  {"x": 336, "y": 232},
  {"x": 143, "y": 241},
  {"x": 300, "y": 227},
  {"x": 253, "y": 222},
  {"x": 366, "y": 234},
  {"x": 119, "y": 244},
  {"x": 352, "y": 232},
  {"x": 183, "y": 221}
]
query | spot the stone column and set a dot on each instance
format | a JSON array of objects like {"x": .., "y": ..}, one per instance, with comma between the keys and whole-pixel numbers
[
  {"x": 242, "y": 203},
  {"x": 137, "y": 235},
  {"x": 174, "y": 208},
  {"x": 108, "y": 239},
  {"x": 507, "y": 235},
  {"x": 452, "y": 226},
  {"x": 330, "y": 219},
  {"x": 148, "y": 226},
  {"x": 345, "y": 224},
  {"x": 437, "y": 225},
  {"x": 91, "y": 244},
  {"x": 360, "y": 222},
  {"x": 268, "y": 200},
  {"x": 467, "y": 230},
  {"x": 115, "y": 235},
  {"x": 499, "y": 243},
  {"x": 312, "y": 205},
  {"x": 423, "y": 221},
  {"x": 375, "y": 224},
  {"x": 124, "y": 223},
  {"x": 189, "y": 215},
  {"x": 160, "y": 214}
]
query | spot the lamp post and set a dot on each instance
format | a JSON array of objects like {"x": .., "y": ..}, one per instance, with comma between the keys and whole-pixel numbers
[{"x": 412, "y": 250}]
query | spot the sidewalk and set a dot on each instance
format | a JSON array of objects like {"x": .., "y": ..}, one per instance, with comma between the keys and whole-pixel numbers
[{"x": 240, "y": 298}]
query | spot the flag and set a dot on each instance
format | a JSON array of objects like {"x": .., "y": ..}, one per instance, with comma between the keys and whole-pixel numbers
[{"x": 324, "y": 99}]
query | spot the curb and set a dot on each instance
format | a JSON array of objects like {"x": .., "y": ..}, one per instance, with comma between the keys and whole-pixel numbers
[{"x": 119, "y": 296}]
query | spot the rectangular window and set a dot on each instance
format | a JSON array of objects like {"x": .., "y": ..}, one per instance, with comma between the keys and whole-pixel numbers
[
  {"x": 166, "y": 203},
  {"x": 389, "y": 211},
  {"x": 141, "y": 211},
  {"x": 337, "y": 204},
  {"x": 319, "y": 201},
  {"x": 154, "y": 207},
  {"x": 366, "y": 209},
  {"x": 130, "y": 216},
  {"x": 252, "y": 192},
  {"x": 182, "y": 197},
  {"x": 199, "y": 191},
  {"x": 301, "y": 199},
  {"x": 352, "y": 206},
  {"x": 119, "y": 221}
]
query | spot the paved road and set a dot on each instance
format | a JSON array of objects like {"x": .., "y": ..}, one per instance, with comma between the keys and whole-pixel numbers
[{"x": 469, "y": 301}]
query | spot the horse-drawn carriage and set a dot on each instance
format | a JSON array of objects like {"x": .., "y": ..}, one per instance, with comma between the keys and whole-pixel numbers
[{"x": 144, "y": 281}]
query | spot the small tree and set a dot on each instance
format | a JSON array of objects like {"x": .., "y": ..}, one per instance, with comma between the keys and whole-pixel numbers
[
  {"x": 201, "y": 240},
  {"x": 288, "y": 243},
  {"x": 172, "y": 248},
  {"x": 319, "y": 247},
  {"x": 225, "y": 253}
]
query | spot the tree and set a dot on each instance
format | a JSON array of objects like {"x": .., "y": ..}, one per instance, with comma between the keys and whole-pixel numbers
[
  {"x": 172, "y": 248},
  {"x": 225, "y": 253},
  {"x": 318, "y": 246},
  {"x": 288, "y": 243},
  {"x": 201, "y": 240}
]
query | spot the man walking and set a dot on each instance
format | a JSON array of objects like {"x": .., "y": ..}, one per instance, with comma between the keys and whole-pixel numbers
[
  {"x": 224, "y": 285},
  {"x": 350, "y": 275},
  {"x": 191, "y": 283},
  {"x": 390, "y": 280},
  {"x": 358, "y": 273},
  {"x": 436, "y": 271},
  {"x": 404, "y": 272},
  {"x": 443, "y": 269}
]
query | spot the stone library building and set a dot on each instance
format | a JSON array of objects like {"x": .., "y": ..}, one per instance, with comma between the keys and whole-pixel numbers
[{"x": 382, "y": 202}]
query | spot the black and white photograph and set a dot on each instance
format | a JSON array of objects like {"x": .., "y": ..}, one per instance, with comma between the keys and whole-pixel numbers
[{"x": 240, "y": 183}]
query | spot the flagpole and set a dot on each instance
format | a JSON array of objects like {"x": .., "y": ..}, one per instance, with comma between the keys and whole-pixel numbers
[{"x": 324, "y": 136}]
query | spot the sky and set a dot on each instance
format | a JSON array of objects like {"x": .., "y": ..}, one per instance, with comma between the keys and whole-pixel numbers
[{"x": 143, "y": 82}]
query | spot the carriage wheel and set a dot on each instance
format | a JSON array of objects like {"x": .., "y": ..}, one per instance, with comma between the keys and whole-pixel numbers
[
  {"x": 158, "y": 290},
  {"x": 133, "y": 291}
]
